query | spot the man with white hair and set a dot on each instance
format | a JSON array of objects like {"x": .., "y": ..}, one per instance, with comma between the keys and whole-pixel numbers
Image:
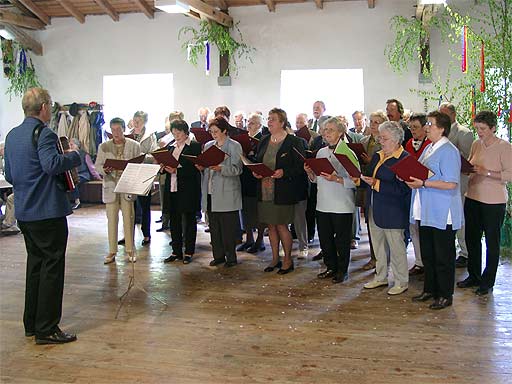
[
  {"x": 240, "y": 120},
  {"x": 203, "y": 113}
]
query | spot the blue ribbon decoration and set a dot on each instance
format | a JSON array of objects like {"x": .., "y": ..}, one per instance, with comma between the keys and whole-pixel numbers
[{"x": 23, "y": 61}]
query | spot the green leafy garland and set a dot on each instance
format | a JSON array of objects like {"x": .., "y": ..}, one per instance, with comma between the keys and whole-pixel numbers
[
  {"x": 21, "y": 77},
  {"x": 220, "y": 36}
]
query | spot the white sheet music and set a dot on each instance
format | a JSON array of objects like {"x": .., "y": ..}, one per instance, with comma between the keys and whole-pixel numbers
[{"x": 137, "y": 179}]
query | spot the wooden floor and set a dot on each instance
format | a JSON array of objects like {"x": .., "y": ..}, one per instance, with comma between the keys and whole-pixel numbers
[{"x": 240, "y": 325}]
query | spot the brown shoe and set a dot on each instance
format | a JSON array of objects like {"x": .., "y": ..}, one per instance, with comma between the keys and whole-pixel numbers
[
  {"x": 369, "y": 265},
  {"x": 416, "y": 270}
]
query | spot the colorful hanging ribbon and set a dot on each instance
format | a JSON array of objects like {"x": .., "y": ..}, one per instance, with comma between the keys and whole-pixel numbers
[
  {"x": 22, "y": 65},
  {"x": 510, "y": 113},
  {"x": 207, "y": 58},
  {"x": 482, "y": 68},
  {"x": 499, "y": 110},
  {"x": 473, "y": 102},
  {"x": 464, "y": 65}
]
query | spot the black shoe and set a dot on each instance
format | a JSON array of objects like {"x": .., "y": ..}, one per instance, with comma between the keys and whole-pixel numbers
[
  {"x": 254, "y": 248},
  {"x": 162, "y": 229},
  {"x": 271, "y": 268},
  {"x": 424, "y": 296},
  {"x": 172, "y": 258},
  {"x": 461, "y": 262},
  {"x": 244, "y": 246},
  {"x": 482, "y": 291},
  {"x": 468, "y": 282},
  {"x": 76, "y": 206},
  {"x": 285, "y": 271},
  {"x": 187, "y": 259},
  {"x": 121, "y": 242},
  {"x": 215, "y": 262},
  {"x": 146, "y": 242},
  {"x": 340, "y": 278},
  {"x": 158, "y": 221},
  {"x": 441, "y": 303},
  {"x": 230, "y": 264},
  {"x": 319, "y": 256},
  {"x": 326, "y": 274},
  {"x": 58, "y": 337},
  {"x": 207, "y": 229},
  {"x": 29, "y": 333}
]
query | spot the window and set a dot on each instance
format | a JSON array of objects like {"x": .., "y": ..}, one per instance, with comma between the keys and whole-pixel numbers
[
  {"x": 342, "y": 91},
  {"x": 123, "y": 95}
]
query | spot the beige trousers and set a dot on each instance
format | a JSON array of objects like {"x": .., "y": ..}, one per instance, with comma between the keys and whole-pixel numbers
[{"x": 113, "y": 223}]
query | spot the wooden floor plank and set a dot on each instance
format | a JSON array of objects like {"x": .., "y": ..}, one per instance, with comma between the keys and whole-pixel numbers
[{"x": 241, "y": 325}]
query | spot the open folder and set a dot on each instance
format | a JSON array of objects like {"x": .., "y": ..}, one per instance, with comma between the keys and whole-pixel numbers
[
  {"x": 358, "y": 149},
  {"x": 408, "y": 167},
  {"x": 348, "y": 164},
  {"x": 166, "y": 158},
  {"x": 247, "y": 142},
  {"x": 258, "y": 168},
  {"x": 318, "y": 166},
  {"x": 303, "y": 133},
  {"x": 137, "y": 179},
  {"x": 466, "y": 166},
  {"x": 212, "y": 156},
  {"x": 121, "y": 164},
  {"x": 202, "y": 136}
]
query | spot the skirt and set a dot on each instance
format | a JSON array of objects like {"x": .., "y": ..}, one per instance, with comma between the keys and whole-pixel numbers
[{"x": 270, "y": 213}]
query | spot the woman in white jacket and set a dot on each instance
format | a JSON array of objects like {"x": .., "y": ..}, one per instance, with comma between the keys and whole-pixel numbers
[{"x": 120, "y": 148}]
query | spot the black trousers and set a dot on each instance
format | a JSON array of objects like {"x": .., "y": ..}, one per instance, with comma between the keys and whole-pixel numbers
[
  {"x": 438, "y": 256},
  {"x": 183, "y": 224},
  {"x": 46, "y": 242},
  {"x": 311, "y": 211},
  {"x": 224, "y": 232},
  {"x": 145, "y": 205},
  {"x": 335, "y": 234},
  {"x": 485, "y": 219}
]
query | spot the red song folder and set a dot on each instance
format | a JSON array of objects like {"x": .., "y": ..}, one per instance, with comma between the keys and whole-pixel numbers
[
  {"x": 304, "y": 133},
  {"x": 247, "y": 142},
  {"x": 121, "y": 164},
  {"x": 258, "y": 168},
  {"x": 317, "y": 165},
  {"x": 408, "y": 167},
  {"x": 202, "y": 136},
  {"x": 212, "y": 156},
  {"x": 166, "y": 158},
  {"x": 348, "y": 165},
  {"x": 465, "y": 166},
  {"x": 358, "y": 149}
]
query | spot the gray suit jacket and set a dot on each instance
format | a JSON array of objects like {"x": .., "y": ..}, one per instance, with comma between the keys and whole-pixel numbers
[{"x": 226, "y": 189}]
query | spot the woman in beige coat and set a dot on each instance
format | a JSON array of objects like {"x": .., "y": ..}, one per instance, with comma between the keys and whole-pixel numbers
[{"x": 120, "y": 148}]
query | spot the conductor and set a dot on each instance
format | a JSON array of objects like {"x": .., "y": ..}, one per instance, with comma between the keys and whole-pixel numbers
[{"x": 32, "y": 166}]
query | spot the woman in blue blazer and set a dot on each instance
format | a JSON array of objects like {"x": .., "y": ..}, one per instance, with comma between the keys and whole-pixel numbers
[{"x": 437, "y": 204}]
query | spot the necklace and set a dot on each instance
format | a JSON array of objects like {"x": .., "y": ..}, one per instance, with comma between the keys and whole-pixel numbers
[{"x": 275, "y": 139}]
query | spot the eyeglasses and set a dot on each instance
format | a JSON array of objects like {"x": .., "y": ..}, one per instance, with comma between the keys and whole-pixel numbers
[{"x": 429, "y": 124}]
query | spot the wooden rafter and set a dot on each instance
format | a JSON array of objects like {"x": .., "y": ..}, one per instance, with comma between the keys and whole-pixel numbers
[
  {"x": 319, "y": 4},
  {"x": 145, "y": 8},
  {"x": 210, "y": 13},
  {"x": 20, "y": 20},
  {"x": 222, "y": 4},
  {"x": 72, "y": 10},
  {"x": 371, "y": 3},
  {"x": 24, "y": 39},
  {"x": 35, "y": 9},
  {"x": 271, "y": 5},
  {"x": 108, "y": 8}
]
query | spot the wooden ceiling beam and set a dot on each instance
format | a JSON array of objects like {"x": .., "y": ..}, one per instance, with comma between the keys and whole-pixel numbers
[
  {"x": 108, "y": 8},
  {"x": 72, "y": 10},
  {"x": 35, "y": 9},
  {"x": 145, "y": 8},
  {"x": 210, "y": 13},
  {"x": 371, "y": 3},
  {"x": 222, "y": 4},
  {"x": 319, "y": 4},
  {"x": 271, "y": 5},
  {"x": 25, "y": 39},
  {"x": 20, "y": 20}
]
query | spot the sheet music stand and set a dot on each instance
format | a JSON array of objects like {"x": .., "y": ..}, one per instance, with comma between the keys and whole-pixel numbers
[{"x": 132, "y": 284}]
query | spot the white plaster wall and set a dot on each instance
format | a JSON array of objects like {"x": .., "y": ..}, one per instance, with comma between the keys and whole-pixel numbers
[{"x": 344, "y": 35}]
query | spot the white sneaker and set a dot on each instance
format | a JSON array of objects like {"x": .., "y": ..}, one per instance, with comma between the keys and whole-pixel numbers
[
  {"x": 375, "y": 284},
  {"x": 303, "y": 254},
  {"x": 397, "y": 290},
  {"x": 109, "y": 259}
]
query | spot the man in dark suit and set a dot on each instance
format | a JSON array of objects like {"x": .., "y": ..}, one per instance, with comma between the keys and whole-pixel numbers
[
  {"x": 32, "y": 166},
  {"x": 318, "y": 116},
  {"x": 203, "y": 119}
]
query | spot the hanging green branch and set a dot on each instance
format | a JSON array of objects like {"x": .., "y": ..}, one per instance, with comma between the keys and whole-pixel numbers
[
  {"x": 218, "y": 35},
  {"x": 18, "y": 68}
]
